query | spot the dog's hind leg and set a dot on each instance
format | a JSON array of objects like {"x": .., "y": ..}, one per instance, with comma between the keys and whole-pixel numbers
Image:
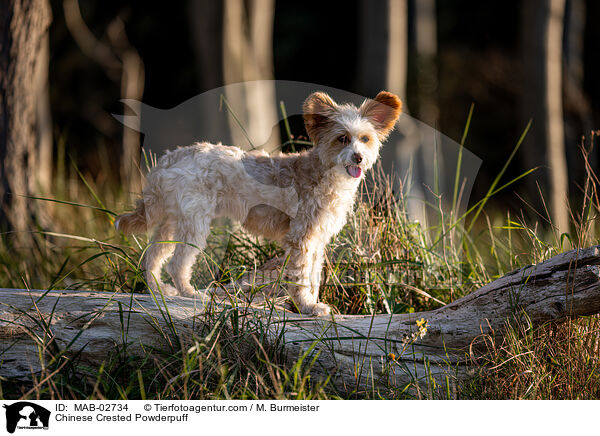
[
  {"x": 155, "y": 256},
  {"x": 191, "y": 237}
]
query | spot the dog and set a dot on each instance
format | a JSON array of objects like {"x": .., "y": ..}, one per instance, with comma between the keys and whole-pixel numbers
[{"x": 300, "y": 200}]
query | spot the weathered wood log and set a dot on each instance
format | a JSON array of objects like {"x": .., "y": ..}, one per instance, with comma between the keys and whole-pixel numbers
[{"x": 359, "y": 351}]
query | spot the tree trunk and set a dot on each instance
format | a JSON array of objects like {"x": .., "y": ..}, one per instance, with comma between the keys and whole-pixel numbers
[
  {"x": 383, "y": 49},
  {"x": 383, "y": 54},
  {"x": 426, "y": 51},
  {"x": 357, "y": 351},
  {"x": 248, "y": 59},
  {"x": 397, "y": 47},
  {"x": 23, "y": 33},
  {"x": 132, "y": 88},
  {"x": 122, "y": 63},
  {"x": 577, "y": 107},
  {"x": 557, "y": 159},
  {"x": 44, "y": 128},
  {"x": 374, "y": 44},
  {"x": 542, "y": 33},
  {"x": 205, "y": 19}
]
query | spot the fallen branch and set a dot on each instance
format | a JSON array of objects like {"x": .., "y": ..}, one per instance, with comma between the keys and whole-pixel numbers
[{"x": 359, "y": 351}]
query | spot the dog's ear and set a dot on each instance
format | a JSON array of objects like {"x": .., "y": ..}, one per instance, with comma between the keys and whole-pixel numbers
[
  {"x": 382, "y": 112},
  {"x": 318, "y": 111}
]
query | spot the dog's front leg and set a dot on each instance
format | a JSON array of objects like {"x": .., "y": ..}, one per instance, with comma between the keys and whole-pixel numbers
[
  {"x": 300, "y": 272},
  {"x": 317, "y": 269}
]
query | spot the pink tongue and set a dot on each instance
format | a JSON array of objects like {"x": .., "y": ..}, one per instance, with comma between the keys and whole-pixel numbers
[{"x": 354, "y": 171}]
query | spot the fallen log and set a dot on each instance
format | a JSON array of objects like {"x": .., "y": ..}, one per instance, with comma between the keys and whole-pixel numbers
[{"x": 358, "y": 352}]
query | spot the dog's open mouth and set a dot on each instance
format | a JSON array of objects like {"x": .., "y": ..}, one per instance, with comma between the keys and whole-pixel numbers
[{"x": 354, "y": 171}]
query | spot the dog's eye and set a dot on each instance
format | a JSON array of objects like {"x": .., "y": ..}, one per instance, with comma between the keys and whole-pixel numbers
[
  {"x": 344, "y": 139},
  {"x": 364, "y": 138}
]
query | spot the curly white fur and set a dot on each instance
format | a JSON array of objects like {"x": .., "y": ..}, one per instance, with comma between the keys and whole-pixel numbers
[{"x": 300, "y": 200}]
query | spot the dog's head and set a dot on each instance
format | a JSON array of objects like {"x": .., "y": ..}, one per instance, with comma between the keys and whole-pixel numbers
[{"x": 348, "y": 138}]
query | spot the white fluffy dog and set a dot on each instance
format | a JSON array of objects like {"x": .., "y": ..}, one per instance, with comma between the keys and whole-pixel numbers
[{"x": 300, "y": 200}]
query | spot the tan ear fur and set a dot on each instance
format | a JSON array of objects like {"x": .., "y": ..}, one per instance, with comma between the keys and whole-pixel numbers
[
  {"x": 383, "y": 112},
  {"x": 318, "y": 112}
]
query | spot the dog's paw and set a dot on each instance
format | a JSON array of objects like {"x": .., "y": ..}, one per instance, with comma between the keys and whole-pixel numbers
[
  {"x": 189, "y": 291},
  {"x": 319, "y": 309},
  {"x": 166, "y": 290}
]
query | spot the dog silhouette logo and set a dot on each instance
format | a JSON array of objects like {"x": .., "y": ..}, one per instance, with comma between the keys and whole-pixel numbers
[{"x": 26, "y": 415}]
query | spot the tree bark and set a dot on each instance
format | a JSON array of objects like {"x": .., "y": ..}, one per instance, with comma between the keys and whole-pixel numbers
[
  {"x": 357, "y": 351},
  {"x": 23, "y": 33}
]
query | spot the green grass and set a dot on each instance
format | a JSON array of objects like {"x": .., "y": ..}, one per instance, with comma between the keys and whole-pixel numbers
[{"x": 381, "y": 262}]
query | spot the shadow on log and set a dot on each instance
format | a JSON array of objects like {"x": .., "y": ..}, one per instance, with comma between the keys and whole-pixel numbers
[{"x": 358, "y": 352}]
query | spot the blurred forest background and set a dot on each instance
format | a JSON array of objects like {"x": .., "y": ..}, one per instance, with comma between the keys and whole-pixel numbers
[
  {"x": 67, "y": 167},
  {"x": 65, "y": 64}
]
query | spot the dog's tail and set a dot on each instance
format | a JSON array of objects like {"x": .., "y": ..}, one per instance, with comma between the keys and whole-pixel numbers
[{"x": 133, "y": 222}]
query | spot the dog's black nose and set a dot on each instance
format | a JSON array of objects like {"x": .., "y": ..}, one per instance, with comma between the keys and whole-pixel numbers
[{"x": 358, "y": 157}]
